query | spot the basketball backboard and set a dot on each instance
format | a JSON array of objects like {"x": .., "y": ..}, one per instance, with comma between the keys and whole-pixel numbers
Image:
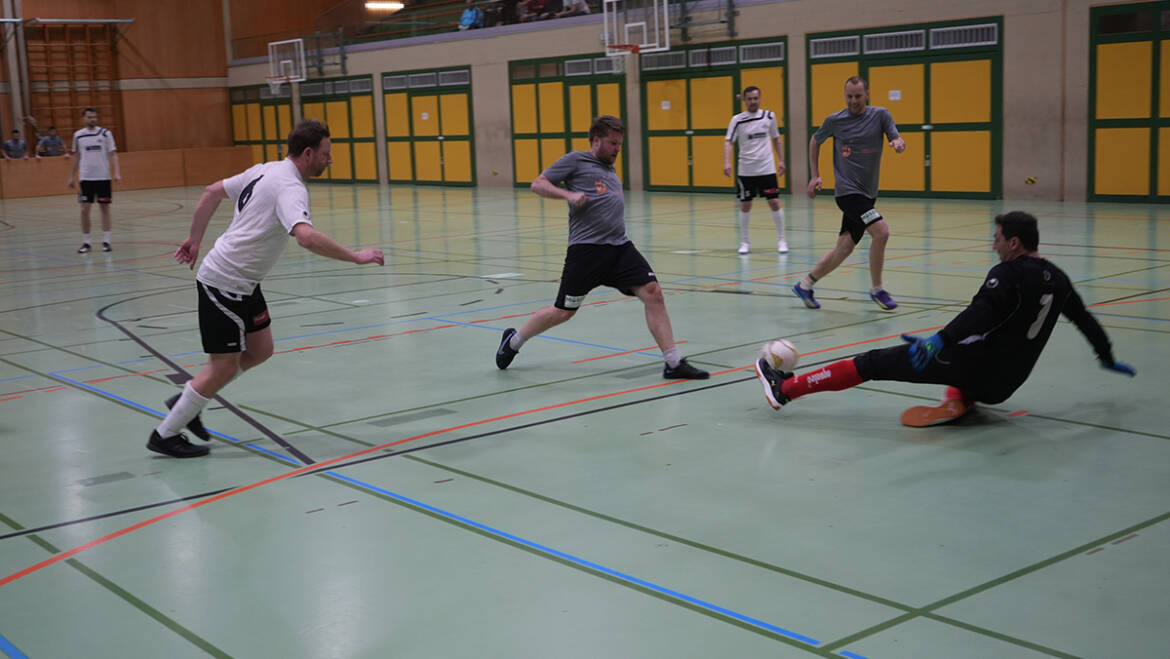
[
  {"x": 641, "y": 23},
  {"x": 286, "y": 59}
]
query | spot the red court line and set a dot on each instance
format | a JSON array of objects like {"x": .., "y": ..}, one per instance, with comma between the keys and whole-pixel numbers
[
  {"x": 10, "y": 398},
  {"x": 1128, "y": 537},
  {"x": 1019, "y": 413},
  {"x": 616, "y": 354},
  {"x": 57, "y": 558},
  {"x": 1152, "y": 299}
]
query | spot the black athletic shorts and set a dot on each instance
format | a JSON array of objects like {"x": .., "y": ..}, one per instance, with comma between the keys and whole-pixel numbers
[
  {"x": 967, "y": 367},
  {"x": 91, "y": 191},
  {"x": 226, "y": 319},
  {"x": 588, "y": 266},
  {"x": 857, "y": 213},
  {"x": 765, "y": 186}
]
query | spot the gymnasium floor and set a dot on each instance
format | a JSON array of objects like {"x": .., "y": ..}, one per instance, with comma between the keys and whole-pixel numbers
[{"x": 380, "y": 489}]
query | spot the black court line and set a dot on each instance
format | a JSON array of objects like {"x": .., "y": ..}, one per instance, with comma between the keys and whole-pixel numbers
[
  {"x": 115, "y": 513},
  {"x": 185, "y": 376}
]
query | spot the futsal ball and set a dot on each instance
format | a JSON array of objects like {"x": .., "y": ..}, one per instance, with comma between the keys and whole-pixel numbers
[{"x": 781, "y": 354}]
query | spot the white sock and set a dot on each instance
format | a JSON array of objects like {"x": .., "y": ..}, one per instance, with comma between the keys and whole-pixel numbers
[
  {"x": 85, "y": 238},
  {"x": 189, "y": 405},
  {"x": 744, "y": 217},
  {"x": 671, "y": 357},
  {"x": 105, "y": 236},
  {"x": 876, "y": 289},
  {"x": 778, "y": 218},
  {"x": 806, "y": 284},
  {"x": 516, "y": 341}
]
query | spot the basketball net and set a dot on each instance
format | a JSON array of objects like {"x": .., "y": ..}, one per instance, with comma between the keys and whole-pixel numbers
[{"x": 274, "y": 83}]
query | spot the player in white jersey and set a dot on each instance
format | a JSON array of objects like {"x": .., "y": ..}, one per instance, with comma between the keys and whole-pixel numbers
[
  {"x": 96, "y": 155},
  {"x": 756, "y": 132},
  {"x": 271, "y": 202}
]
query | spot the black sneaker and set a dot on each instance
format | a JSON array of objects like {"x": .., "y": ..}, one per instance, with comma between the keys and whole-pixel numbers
[
  {"x": 176, "y": 447},
  {"x": 194, "y": 425},
  {"x": 505, "y": 353},
  {"x": 684, "y": 371},
  {"x": 106, "y": 247},
  {"x": 84, "y": 249},
  {"x": 772, "y": 378}
]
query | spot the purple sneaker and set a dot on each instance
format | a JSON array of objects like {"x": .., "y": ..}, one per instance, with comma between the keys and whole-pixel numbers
[
  {"x": 806, "y": 297},
  {"x": 883, "y": 300}
]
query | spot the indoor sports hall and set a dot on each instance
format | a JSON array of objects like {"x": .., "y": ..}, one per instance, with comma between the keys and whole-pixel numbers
[{"x": 379, "y": 488}]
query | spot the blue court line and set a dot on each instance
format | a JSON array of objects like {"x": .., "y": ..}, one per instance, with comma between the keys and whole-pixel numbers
[
  {"x": 851, "y": 655},
  {"x": 655, "y": 354},
  {"x": 19, "y": 377},
  {"x": 755, "y": 622},
  {"x": 9, "y": 649}
]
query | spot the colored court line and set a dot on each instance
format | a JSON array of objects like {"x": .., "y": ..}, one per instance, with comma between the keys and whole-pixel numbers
[
  {"x": 9, "y": 649},
  {"x": 616, "y": 354}
]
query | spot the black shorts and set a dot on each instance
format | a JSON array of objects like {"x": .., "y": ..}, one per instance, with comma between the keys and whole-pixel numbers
[
  {"x": 91, "y": 191},
  {"x": 967, "y": 367},
  {"x": 857, "y": 213},
  {"x": 588, "y": 266},
  {"x": 226, "y": 319},
  {"x": 757, "y": 186}
]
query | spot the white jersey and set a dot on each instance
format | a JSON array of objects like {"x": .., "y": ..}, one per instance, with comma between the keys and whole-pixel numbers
[
  {"x": 754, "y": 133},
  {"x": 269, "y": 199},
  {"x": 93, "y": 147}
]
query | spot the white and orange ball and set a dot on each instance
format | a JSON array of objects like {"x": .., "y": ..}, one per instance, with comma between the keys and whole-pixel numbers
[{"x": 781, "y": 354}]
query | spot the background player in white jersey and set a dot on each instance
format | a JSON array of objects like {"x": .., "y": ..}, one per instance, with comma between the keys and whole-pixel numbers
[
  {"x": 96, "y": 156},
  {"x": 756, "y": 132},
  {"x": 271, "y": 202}
]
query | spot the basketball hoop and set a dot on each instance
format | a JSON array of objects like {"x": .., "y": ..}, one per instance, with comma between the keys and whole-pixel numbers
[
  {"x": 623, "y": 49},
  {"x": 274, "y": 83}
]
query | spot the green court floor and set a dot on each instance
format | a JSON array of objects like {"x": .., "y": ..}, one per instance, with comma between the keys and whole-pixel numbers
[{"x": 380, "y": 489}]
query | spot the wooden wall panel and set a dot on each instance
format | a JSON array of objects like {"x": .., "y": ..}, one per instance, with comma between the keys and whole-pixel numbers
[
  {"x": 204, "y": 166},
  {"x": 184, "y": 40},
  {"x": 176, "y": 118},
  {"x": 256, "y": 22}
]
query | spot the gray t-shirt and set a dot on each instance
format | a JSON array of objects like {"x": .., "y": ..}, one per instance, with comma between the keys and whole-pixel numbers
[
  {"x": 857, "y": 152},
  {"x": 602, "y": 219},
  {"x": 16, "y": 148},
  {"x": 51, "y": 145}
]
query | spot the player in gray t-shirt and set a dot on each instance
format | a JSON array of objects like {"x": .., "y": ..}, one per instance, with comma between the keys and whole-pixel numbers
[
  {"x": 857, "y": 157},
  {"x": 600, "y": 253}
]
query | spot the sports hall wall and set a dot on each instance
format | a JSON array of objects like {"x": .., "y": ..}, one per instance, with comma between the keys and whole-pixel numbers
[{"x": 1041, "y": 135}]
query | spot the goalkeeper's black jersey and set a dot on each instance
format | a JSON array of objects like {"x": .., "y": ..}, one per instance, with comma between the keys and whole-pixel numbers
[{"x": 1012, "y": 316}]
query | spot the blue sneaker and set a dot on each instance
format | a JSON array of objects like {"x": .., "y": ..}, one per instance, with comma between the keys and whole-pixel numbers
[
  {"x": 883, "y": 300},
  {"x": 505, "y": 354},
  {"x": 806, "y": 297}
]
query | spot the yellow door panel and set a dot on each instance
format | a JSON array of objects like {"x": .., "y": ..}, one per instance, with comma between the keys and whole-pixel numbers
[
  {"x": 609, "y": 99},
  {"x": 707, "y": 154},
  {"x": 399, "y": 157},
  {"x": 240, "y": 123},
  {"x": 1122, "y": 165},
  {"x": 712, "y": 103},
  {"x": 337, "y": 116},
  {"x": 453, "y": 111},
  {"x": 1164, "y": 100},
  {"x": 526, "y": 159},
  {"x": 424, "y": 113},
  {"x": 770, "y": 80},
  {"x": 580, "y": 144},
  {"x": 959, "y": 92},
  {"x": 257, "y": 154},
  {"x": 905, "y": 171},
  {"x": 668, "y": 161},
  {"x": 901, "y": 90},
  {"x": 361, "y": 112},
  {"x": 270, "y": 128},
  {"x": 580, "y": 108},
  {"x": 365, "y": 163},
  {"x": 551, "y": 148},
  {"x": 397, "y": 115},
  {"x": 959, "y": 162},
  {"x": 284, "y": 114},
  {"x": 427, "y": 166},
  {"x": 1164, "y": 162},
  {"x": 524, "y": 109},
  {"x": 1124, "y": 79},
  {"x": 313, "y": 111},
  {"x": 269, "y": 152},
  {"x": 552, "y": 107},
  {"x": 666, "y": 105},
  {"x": 254, "y": 130},
  {"x": 828, "y": 89},
  {"x": 457, "y": 161},
  {"x": 342, "y": 167}
]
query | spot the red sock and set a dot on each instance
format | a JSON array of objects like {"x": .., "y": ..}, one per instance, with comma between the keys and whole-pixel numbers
[{"x": 834, "y": 377}]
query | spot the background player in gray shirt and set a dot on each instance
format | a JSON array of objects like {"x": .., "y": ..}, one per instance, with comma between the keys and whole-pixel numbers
[
  {"x": 600, "y": 253},
  {"x": 857, "y": 158}
]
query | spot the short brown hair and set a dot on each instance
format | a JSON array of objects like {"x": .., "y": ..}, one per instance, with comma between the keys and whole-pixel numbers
[
  {"x": 856, "y": 79},
  {"x": 307, "y": 134},
  {"x": 1018, "y": 224},
  {"x": 604, "y": 125},
  {"x": 93, "y": 110}
]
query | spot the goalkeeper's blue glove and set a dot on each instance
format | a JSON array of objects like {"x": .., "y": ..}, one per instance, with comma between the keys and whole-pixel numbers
[
  {"x": 1120, "y": 367},
  {"x": 922, "y": 350}
]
